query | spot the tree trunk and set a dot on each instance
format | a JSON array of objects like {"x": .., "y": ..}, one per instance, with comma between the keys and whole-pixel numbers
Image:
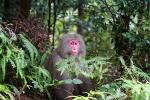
[
  {"x": 81, "y": 16},
  {"x": 123, "y": 48},
  {"x": 14, "y": 9},
  {"x": 25, "y": 6},
  {"x": 11, "y": 9}
]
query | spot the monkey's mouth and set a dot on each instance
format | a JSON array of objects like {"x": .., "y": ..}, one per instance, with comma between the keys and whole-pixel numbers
[{"x": 74, "y": 52}]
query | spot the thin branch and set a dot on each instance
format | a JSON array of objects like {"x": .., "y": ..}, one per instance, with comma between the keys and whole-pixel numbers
[
  {"x": 113, "y": 17},
  {"x": 54, "y": 23},
  {"x": 49, "y": 16}
]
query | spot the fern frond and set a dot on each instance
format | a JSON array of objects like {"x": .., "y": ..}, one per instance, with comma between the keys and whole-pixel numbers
[
  {"x": 30, "y": 47},
  {"x": 44, "y": 56},
  {"x": 3, "y": 67}
]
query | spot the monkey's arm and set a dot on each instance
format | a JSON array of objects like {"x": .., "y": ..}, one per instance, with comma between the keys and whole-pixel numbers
[{"x": 62, "y": 91}]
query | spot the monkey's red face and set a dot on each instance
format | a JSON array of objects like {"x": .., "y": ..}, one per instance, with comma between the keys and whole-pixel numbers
[{"x": 74, "y": 45}]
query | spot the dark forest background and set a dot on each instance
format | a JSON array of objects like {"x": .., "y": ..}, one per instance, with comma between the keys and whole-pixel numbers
[{"x": 116, "y": 33}]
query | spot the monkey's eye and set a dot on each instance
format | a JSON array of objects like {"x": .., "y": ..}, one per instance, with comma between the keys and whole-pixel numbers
[{"x": 71, "y": 43}]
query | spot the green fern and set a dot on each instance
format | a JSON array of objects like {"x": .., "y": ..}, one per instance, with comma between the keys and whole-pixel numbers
[
  {"x": 25, "y": 64},
  {"x": 5, "y": 93},
  {"x": 31, "y": 48},
  {"x": 133, "y": 71},
  {"x": 93, "y": 68},
  {"x": 21, "y": 64},
  {"x": 3, "y": 67},
  {"x": 44, "y": 57},
  {"x": 4, "y": 56},
  {"x": 40, "y": 78},
  {"x": 136, "y": 89}
]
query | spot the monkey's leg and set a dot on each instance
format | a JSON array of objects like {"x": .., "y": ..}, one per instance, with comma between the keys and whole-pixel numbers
[
  {"x": 86, "y": 86},
  {"x": 65, "y": 90}
]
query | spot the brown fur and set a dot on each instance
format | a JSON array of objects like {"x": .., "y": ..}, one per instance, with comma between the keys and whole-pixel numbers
[{"x": 61, "y": 53}]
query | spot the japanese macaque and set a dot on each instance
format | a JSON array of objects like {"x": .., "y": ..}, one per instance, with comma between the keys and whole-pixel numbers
[{"x": 71, "y": 44}]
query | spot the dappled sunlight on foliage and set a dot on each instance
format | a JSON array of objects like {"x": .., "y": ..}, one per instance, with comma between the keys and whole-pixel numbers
[{"x": 117, "y": 38}]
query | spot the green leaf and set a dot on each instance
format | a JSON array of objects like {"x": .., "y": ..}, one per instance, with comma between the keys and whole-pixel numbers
[
  {"x": 3, "y": 67},
  {"x": 44, "y": 57},
  {"x": 76, "y": 81},
  {"x": 30, "y": 47},
  {"x": 68, "y": 81},
  {"x": 4, "y": 88}
]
